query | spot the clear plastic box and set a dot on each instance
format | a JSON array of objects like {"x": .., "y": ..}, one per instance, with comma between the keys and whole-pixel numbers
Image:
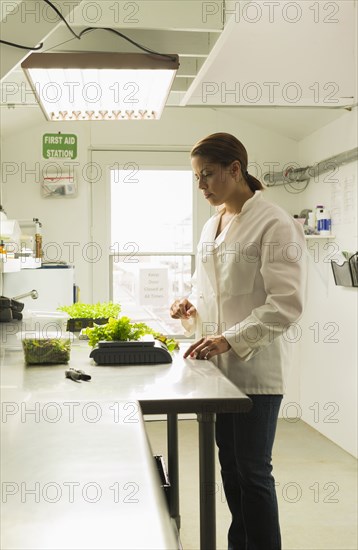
[
  {"x": 46, "y": 349},
  {"x": 45, "y": 321}
]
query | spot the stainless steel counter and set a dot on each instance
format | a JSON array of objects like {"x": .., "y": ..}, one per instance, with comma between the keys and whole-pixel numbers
[{"x": 186, "y": 385}]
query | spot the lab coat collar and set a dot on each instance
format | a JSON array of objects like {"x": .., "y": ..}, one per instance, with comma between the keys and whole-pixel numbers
[{"x": 247, "y": 205}]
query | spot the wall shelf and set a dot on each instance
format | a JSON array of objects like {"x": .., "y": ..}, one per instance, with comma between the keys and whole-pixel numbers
[
  {"x": 10, "y": 265},
  {"x": 320, "y": 237}
]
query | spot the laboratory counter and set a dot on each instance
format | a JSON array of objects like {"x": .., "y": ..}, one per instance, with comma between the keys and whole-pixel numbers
[{"x": 119, "y": 394}]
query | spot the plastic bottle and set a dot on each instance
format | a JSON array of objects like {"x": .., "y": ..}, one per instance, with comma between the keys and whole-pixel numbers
[
  {"x": 324, "y": 222},
  {"x": 318, "y": 209},
  {"x": 311, "y": 220}
]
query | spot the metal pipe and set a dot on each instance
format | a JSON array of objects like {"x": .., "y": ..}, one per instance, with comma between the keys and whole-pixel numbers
[
  {"x": 305, "y": 174},
  {"x": 33, "y": 293}
]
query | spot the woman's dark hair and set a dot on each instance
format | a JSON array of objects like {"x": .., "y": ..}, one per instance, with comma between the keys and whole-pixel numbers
[{"x": 222, "y": 148}]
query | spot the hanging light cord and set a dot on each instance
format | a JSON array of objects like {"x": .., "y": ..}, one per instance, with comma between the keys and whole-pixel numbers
[{"x": 83, "y": 32}]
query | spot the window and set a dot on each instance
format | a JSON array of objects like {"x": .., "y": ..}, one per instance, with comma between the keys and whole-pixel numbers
[
  {"x": 152, "y": 242},
  {"x": 147, "y": 215}
]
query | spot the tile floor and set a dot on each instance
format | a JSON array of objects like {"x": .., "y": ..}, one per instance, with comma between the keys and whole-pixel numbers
[{"x": 316, "y": 487}]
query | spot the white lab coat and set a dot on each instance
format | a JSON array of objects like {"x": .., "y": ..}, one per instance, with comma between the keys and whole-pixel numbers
[{"x": 249, "y": 286}]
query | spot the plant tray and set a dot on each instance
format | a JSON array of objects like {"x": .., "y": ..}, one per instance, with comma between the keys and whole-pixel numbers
[
  {"x": 130, "y": 353},
  {"x": 77, "y": 324}
]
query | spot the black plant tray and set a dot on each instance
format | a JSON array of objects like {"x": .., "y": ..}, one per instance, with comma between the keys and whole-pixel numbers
[
  {"x": 76, "y": 324},
  {"x": 130, "y": 353}
]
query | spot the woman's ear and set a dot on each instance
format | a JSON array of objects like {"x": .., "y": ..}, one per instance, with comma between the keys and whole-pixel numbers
[{"x": 235, "y": 168}]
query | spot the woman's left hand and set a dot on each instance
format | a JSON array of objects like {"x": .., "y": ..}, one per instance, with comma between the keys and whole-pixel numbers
[{"x": 206, "y": 348}]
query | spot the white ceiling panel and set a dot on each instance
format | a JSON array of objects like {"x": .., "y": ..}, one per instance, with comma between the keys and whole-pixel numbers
[
  {"x": 293, "y": 55},
  {"x": 181, "y": 15}
]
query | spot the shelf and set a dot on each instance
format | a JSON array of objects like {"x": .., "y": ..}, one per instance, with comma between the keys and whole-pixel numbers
[
  {"x": 320, "y": 236},
  {"x": 10, "y": 265}
]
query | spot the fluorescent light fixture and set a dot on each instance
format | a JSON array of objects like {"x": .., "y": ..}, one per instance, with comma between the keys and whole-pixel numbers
[{"x": 101, "y": 86}]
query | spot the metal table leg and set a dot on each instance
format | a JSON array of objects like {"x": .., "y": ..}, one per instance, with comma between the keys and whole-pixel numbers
[
  {"x": 207, "y": 481},
  {"x": 173, "y": 466}
]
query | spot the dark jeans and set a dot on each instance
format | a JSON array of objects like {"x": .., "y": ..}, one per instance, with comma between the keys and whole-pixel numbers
[{"x": 245, "y": 442}]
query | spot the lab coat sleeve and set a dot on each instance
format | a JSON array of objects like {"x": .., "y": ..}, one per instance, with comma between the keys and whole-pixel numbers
[{"x": 284, "y": 273}]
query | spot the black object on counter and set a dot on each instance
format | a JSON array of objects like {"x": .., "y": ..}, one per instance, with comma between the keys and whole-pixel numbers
[
  {"x": 76, "y": 324},
  {"x": 10, "y": 310},
  {"x": 131, "y": 353},
  {"x": 76, "y": 375}
]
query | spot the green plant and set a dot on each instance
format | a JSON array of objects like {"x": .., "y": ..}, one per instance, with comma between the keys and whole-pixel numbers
[
  {"x": 124, "y": 329},
  {"x": 92, "y": 311},
  {"x": 46, "y": 350},
  {"x": 116, "y": 329}
]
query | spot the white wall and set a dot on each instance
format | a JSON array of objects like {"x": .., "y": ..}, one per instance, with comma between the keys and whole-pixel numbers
[{"x": 328, "y": 370}]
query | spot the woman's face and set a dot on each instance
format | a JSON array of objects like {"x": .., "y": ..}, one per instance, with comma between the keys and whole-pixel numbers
[{"x": 217, "y": 182}]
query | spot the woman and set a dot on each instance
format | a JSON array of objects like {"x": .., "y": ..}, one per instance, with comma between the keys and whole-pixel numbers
[{"x": 248, "y": 289}]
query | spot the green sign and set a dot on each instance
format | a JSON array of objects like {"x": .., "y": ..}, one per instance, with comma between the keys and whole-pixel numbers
[{"x": 59, "y": 146}]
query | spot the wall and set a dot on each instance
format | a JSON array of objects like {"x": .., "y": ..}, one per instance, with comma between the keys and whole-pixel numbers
[{"x": 328, "y": 370}]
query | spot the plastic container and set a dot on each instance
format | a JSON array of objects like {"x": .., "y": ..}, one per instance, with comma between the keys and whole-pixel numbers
[
  {"x": 323, "y": 222},
  {"x": 318, "y": 209},
  {"x": 46, "y": 350},
  {"x": 45, "y": 321},
  {"x": 346, "y": 274},
  {"x": 311, "y": 220}
]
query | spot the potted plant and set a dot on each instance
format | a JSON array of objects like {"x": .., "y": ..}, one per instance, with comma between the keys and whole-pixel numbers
[{"x": 87, "y": 315}]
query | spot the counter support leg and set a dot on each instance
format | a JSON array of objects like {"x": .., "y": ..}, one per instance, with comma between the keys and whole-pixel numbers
[
  {"x": 173, "y": 466},
  {"x": 207, "y": 481}
]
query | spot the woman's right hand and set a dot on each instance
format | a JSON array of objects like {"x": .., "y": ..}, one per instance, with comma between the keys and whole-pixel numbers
[{"x": 182, "y": 309}]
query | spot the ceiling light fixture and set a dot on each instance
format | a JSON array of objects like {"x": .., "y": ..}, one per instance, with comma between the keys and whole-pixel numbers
[{"x": 101, "y": 86}]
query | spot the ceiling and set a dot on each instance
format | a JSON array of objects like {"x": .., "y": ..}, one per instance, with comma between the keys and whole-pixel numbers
[{"x": 290, "y": 69}]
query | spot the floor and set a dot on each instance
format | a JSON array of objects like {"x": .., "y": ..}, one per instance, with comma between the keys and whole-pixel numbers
[{"x": 316, "y": 487}]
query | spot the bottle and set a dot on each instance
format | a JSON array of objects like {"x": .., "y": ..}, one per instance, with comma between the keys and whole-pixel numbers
[
  {"x": 38, "y": 239},
  {"x": 318, "y": 209},
  {"x": 311, "y": 220},
  {"x": 324, "y": 222},
  {"x": 3, "y": 254}
]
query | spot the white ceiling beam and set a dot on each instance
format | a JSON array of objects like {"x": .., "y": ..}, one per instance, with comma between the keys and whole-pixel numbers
[
  {"x": 28, "y": 23},
  {"x": 187, "y": 44},
  {"x": 181, "y": 84},
  {"x": 189, "y": 67},
  {"x": 188, "y": 15}
]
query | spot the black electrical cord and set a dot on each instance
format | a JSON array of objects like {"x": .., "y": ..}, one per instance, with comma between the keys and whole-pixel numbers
[
  {"x": 148, "y": 50},
  {"x": 85, "y": 31},
  {"x": 22, "y": 47},
  {"x": 61, "y": 17}
]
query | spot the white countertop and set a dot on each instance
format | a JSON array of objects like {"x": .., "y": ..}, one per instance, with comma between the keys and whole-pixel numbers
[
  {"x": 86, "y": 441},
  {"x": 186, "y": 385}
]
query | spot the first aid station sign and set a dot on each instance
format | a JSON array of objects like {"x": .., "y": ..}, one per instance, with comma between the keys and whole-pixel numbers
[{"x": 59, "y": 146}]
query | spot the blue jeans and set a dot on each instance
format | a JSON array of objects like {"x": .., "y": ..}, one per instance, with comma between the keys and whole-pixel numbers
[{"x": 245, "y": 442}]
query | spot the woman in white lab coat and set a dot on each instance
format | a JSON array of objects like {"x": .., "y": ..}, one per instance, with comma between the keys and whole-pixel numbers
[{"x": 247, "y": 294}]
